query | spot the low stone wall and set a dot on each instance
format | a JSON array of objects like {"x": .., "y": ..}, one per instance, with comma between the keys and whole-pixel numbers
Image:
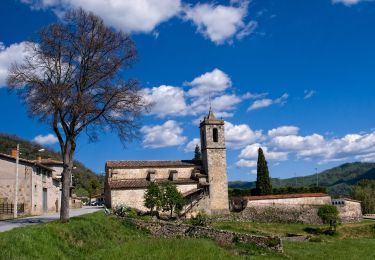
[
  {"x": 305, "y": 214},
  {"x": 172, "y": 230}
]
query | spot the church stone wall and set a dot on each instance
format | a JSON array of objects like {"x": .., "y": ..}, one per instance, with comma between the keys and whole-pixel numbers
[
  {"x": 291, "y": 201},
  {"x": 142, "y": 173},
  {"x": 134, "y": 198}
]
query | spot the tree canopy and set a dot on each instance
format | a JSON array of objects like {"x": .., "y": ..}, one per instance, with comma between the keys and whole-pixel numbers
[{"x": 263, "y": 183}]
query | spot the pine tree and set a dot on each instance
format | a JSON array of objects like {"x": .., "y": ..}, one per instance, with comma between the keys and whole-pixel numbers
[
  {"x": 263, "y": 184},
  {"x": 197, "y": 153}
]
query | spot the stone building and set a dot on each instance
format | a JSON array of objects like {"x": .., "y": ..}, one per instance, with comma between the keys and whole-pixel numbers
[
  {"x": 38, "y": 188},
  {"x": 294, "y": 208},
  {"x": 203, "y": 183}
]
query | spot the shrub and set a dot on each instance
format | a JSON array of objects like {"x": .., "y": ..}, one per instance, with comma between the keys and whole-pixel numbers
[
  {"x": 200, "y": 219},
  {"x": 125, "y": 211},
  {"x": 329, "y": 215}
]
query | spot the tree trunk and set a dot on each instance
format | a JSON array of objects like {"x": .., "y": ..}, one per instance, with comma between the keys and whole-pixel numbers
[{"x": 66, "y": 181}]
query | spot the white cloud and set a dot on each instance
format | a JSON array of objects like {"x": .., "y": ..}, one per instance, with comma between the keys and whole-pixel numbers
[
  {"x": 349, "y": 2},
  {"x": 165, "y": 100},
  {"x": 238, "y": 136},
  {"x": 192, "y": 144},
  {"x": 246, "y": 163},
  {"x": 209, "y": 83},
  {"x": 126, "y": 15},
  {"x": 251, "y": 152},
  {"x": 221, "y": 23},
  {"x": 309, "y": 93},
  {"x": 266, "y": 102},
  {"x": 283, "y": 130},
  {"x": 167, "y": 134},
  {"x": 261, "y": 103},
  {"x": 14, "y": 53},
  {"x": 45, "y": 139},
  {"x": 249, "y": 95}
]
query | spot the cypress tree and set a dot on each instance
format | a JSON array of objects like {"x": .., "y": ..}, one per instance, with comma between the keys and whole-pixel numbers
[
  {"x": 263, "y": 184},
  {"x": 197, "y": 153}
]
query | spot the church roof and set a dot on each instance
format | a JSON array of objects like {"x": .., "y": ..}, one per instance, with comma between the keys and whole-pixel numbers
[
  {"x": 211, "y": 115},
  {"x": 142, "y": 183},
  {"x": 153, "y": 163}
]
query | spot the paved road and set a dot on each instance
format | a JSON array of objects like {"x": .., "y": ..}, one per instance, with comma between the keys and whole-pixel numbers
[{"x": 6, "y": 225}]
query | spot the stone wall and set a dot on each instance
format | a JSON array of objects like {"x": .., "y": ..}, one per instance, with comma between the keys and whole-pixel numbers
[
  {"x": 142, "y": 173},
  {"x": 134, "y": 198},
  {"x": 307, "y": 214},
  {"x": 349, "y": 211},
  {"x": 172, "y": 230}
]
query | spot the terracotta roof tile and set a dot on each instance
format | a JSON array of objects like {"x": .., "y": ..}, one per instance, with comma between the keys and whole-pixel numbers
[
  {"x": 25, "y": 161},
  {"x": 285, "y": 196},
  {"x": 143, "y": 183},
  {"x": 151, "y": 163}
]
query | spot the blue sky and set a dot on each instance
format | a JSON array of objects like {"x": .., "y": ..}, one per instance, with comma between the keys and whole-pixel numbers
[{"x": 295, "y": 77}]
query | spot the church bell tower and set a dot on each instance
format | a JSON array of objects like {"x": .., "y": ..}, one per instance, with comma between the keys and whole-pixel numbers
[{"x": 214, "y": 162}]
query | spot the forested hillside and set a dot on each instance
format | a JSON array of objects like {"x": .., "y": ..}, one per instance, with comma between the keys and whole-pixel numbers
[
  {"x": 30, "y": 151},
  {"x": 338, "y": 180}
]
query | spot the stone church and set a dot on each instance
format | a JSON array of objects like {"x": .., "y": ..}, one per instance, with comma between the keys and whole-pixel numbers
[{"x": 203, "y": 183}]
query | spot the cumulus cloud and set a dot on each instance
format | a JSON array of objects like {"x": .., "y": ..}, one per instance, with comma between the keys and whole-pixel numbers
[
  {"x": 8, "y": 55},
  {"x": 246, "y": 163},
  {"x": 221, "y": 23},
  {"x": 209, "y": 83},
  {"x": 45, "y": 139},
  {"x": 251, "y": 152},
  {"x": 283, "y": 130},
  {"x": 349, "y": 2},
  {"x": 165, "y": 100},
  {"x": 126, "y": 15},
  {"x": 207, "y": 89},
  {"x": 309, "y": 94},
  {"x": 266, "y": 102},
  {"x": 238, "y": 136},
  {"x": 167, "y": 134},
  {"x": 192, "y": 144}
]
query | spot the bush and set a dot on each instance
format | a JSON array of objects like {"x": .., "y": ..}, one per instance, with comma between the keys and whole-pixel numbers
[
  {"x": 125, "y": 211},
  {"x": 200, "y": 219},
  {"x": 329, "y": 215}
]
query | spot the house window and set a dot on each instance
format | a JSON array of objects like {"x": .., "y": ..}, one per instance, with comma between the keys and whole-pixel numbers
[{"x": 215, "y": 135}]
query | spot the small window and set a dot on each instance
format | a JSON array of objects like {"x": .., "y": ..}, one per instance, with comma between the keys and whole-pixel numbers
[{"x": 215, "y": 135}]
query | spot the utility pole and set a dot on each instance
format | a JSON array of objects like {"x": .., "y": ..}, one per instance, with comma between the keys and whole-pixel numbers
[
  {"x": 15, "y": 208},
  {"x": 317, "y": 177}
]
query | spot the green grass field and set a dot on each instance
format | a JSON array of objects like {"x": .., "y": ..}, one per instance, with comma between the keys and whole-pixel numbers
[{"x": 97, "y": 236}]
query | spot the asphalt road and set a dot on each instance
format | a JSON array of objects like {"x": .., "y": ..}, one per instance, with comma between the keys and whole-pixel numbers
[{"x": 6, "y": 225}]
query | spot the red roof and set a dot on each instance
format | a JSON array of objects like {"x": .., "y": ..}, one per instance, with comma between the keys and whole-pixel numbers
[
  {"x": 285, "y": 196},
  {"x": 147, "y": 164}
]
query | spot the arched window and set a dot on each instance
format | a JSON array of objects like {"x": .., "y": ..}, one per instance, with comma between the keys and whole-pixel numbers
[
  {"x": 203, "y": 139},
  {"x": 215, "y": 135}
]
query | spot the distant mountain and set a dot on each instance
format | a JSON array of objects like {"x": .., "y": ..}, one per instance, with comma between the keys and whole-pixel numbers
[
  {"x": 337, "y": 180},
  {"x": 30, "y": 151}
]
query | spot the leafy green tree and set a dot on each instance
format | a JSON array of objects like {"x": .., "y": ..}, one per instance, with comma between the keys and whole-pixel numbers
[
  {"x": 364, "y": 191},
  {"x": 263, "y": 183},
  {"x": 93, "y": 188},
  {"x": 153, "y": 197},
  {"x": 329, "y": 215},
  {"x": 172, "y": 200},
  {"x": 197, "y": 153}
]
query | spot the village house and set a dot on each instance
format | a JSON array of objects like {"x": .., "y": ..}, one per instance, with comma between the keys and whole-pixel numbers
[
  {"x": 203, "y": 183},
  {"x": 38, "y": 187}
]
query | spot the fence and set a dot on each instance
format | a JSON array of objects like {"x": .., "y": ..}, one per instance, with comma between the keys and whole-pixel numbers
[{"x": 8, "y": 208}]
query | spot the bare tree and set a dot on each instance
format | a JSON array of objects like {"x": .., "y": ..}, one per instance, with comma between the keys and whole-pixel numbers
[{"x": 71, "y": 80}]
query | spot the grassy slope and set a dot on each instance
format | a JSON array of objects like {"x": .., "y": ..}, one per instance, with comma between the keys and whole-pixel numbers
[
  {"x": 337, "y": 180},
  {"x": 97, "y": 236},
  {"x": 29, "y": 151}
]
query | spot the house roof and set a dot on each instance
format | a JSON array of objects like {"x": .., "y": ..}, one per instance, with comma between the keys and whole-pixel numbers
[
  {"x": 286, "y": 196},
  {"x": 9, "y": 157},
  {"x": 49, "y": 161},
  {"x": 153, "y": 164},
  {"x": 143, "y": 183}
]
